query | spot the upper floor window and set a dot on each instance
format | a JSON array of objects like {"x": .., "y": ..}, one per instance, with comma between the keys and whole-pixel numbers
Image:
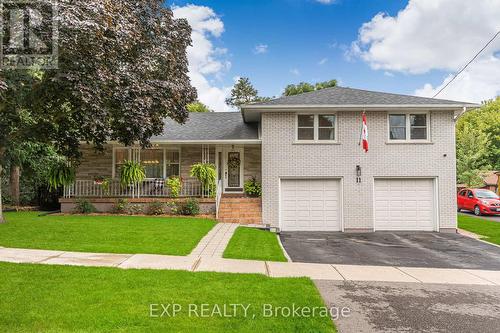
[
  {"x": 409, "y": 127},
  {"x": 316, "y": 127}
]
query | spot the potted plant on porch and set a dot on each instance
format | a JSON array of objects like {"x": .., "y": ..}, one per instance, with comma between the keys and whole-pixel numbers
[
  {"x": 205, "y": 173},
  {"x": 131, "y": 174},
  {"x": 103, "y": 182}
]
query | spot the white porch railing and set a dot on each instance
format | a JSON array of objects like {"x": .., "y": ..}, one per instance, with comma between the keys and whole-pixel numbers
[
  {"x": 148, "y": 188},
  {"x": 218, "y": 195}
]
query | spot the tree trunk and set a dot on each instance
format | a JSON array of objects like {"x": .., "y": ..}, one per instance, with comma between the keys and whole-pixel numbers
[
  {"x": 2, "y": 220},
  {"x": 15, "y": 172}
]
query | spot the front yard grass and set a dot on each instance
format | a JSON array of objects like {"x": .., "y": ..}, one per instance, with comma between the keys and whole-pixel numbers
[
  {"x": 489, "y": 230},
  {"x": 43, "y": 298},
  {"x": 256, "y": 244},
  {"x": 109, "y": 234}
]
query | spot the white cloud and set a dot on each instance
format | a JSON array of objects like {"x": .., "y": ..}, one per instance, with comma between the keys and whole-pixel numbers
[
  {"x": 205, "y": 60},
  {"x": 435, "y": 35},
  {"x": 481, "y": 81},
  {"x": 389, "y": 74},
  {"x": 322, "y": 61},
  {"x": 326, "y": 2},
  {"x": 260, "y": 49},
  {"x": 295, "y": 71}
]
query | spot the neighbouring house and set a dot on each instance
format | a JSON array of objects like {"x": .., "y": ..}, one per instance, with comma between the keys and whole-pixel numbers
[
  {"x": 491, "y": 181},
  {"x": 305, "y": 151}
]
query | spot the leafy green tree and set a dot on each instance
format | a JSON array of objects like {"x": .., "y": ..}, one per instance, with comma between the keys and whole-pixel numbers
[
  {"x": 471, "y": 155},
  {"x": 303, "y": 87},
  {"x": 478, "y": 142},
  {"x": 122, "y": 69},
  {"x": 198, "y": 107},
  {"x": 243, "y": 92}
]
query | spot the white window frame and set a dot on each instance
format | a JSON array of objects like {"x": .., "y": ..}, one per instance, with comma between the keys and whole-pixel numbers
[
  {"x": 408, "y": 127},
  {"x": 165, "y": 160},
  {"x": 316, "y": 127},
  {"x": 164, "y": 150},
  {"x": 114, "y": 173}
]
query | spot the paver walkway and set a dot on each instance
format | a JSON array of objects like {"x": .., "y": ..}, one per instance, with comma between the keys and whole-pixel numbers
[
  {"x": 273, "y": 269},
  {"x": 215, "y": 242}
]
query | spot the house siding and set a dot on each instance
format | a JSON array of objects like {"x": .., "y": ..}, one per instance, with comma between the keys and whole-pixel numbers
[
  {"x": 282, "y": 158},
  {"x": 253, "y": 162},
  {"x": 95, "y": 163}
]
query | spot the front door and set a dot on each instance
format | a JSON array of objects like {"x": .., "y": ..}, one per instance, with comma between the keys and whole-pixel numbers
[{"x": 233, "y": 175}]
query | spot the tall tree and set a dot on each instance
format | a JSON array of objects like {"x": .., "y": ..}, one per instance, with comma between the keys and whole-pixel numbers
[
  {"x": 122, "y": 69},
  {"x": 471, "y": 155},
  {"x": 478, "y": 143},
  {"x": 198, "y": 107},
  {"x": 303, "y": 87},
  {"x": 243, "y": 92}
]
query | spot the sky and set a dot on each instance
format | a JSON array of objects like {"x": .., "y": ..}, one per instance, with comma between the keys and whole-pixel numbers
[{"x": 409, "y": 47}]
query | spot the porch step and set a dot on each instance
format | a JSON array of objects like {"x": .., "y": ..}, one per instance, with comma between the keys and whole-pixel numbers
[{"x": 242, "y": 210}]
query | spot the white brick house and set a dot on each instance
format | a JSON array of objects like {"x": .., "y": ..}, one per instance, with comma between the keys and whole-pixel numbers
[{"x": 304, "y": 149}]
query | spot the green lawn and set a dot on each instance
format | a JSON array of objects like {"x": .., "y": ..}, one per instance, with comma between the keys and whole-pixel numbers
[
  {"x": 43, "y": 298},
  {"x": 113, "y": 234},
  {"x": 250, "y": 243},
  {"x": 488, "y": 229}
]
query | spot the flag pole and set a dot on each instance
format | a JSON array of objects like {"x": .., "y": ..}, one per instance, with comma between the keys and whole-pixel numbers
[{"x": 361, "y": 132}]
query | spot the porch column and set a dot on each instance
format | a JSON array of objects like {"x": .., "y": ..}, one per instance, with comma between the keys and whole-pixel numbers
[{"x": 205, "y": 153}]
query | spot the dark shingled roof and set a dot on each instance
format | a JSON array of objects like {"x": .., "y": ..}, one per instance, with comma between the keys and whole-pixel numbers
[
  {"x": 349, "y": 96},
  {"x": 209, "y": 126}
]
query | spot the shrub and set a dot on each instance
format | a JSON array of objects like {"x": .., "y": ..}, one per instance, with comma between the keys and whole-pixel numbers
[
  {"x": 190, "y": 207},
  {"x": 253, "y": 187},
  {"x": 173, "y": 207},
  {"x": 156, "y": 208},
  {"x": 174, "y": 185},
  {"x": 121, "y": 206},
  {"x": 134, "y": 209},
  {"x": 205, "y": 173},
  {"x": 84, "y": 206}
]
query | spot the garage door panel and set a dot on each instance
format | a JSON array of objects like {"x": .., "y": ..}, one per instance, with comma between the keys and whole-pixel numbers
[
  {"x": 313, "y": 204},
  {"x": 404, "y": 204}
]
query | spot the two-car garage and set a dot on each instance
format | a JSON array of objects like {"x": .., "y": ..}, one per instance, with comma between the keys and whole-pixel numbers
[{"x": 399, "y": 204}]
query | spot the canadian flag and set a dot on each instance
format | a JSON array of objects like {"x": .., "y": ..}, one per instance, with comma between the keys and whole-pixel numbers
[{"x": 364, "y": 134}]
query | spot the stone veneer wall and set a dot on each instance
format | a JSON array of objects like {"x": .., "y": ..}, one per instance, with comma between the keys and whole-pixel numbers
[
  {"x": 94, "y": 163},
  {"x": 253, "y": 162},
  {"x": 106, "y": 205}
]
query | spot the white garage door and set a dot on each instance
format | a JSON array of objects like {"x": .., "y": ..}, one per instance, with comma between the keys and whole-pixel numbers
[
  {"x": 310, "y": 205},
  {"x": 404, "y": 204}
]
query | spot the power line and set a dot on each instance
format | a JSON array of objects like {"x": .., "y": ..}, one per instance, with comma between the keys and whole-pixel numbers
[{"x": 463, "y": 68}]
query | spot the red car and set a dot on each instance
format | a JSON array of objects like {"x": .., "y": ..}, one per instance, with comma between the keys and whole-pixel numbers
[{"x": 479, "y": 201}]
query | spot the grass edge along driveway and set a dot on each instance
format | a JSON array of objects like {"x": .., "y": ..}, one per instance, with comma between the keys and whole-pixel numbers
[
  {"x": 488, "y": 230},
  {"x": 254, "y": 244},
  {"x": 46, "y": 298},
  {"x": 104, "y": 233}
]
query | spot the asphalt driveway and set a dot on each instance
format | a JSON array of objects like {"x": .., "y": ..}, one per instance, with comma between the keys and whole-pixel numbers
[
  {"x": 412, "y": 307},
  {"x": 416, "y": 249}
]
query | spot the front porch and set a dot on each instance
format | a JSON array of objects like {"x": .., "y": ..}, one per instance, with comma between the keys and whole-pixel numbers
[{"x": 234, "y": 163}]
